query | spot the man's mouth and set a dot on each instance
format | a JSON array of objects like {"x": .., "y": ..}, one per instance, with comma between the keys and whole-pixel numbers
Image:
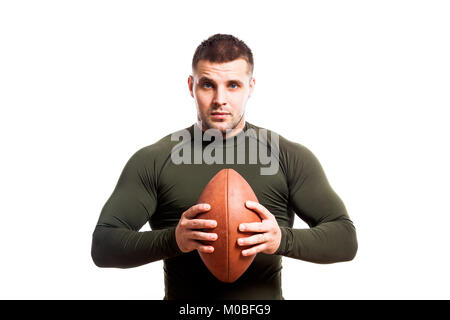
[{"x": 219, "y": 115}]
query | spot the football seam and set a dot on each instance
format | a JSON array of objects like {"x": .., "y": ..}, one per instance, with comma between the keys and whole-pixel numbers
[{"x": 227, "y": 228}]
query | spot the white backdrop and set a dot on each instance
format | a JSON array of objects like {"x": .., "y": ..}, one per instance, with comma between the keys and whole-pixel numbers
[{"x": 363, "y": 84}]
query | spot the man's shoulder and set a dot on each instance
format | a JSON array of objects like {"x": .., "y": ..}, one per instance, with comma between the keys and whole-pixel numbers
[
  {"x": 295, "y": 158},
  {"x": 161, "y": 149},
  {"x": 271, "y": 136}
]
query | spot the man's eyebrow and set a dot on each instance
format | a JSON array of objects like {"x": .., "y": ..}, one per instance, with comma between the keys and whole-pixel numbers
[{"x": 203, "y": 79}]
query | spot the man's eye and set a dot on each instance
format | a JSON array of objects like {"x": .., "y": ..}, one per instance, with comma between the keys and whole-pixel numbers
[
  {"x": 234, "y": 84},
  {"x": 206, "y": 84}
]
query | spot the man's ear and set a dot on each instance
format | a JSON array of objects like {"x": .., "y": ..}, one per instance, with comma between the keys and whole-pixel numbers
[
  {"x": 251, "y": 86},
  {"x": 191, "y": 85}
]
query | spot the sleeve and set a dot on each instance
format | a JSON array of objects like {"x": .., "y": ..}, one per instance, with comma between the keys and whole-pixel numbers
[
  {"x": 116, "y": 240},
  {"x": 332, "y": 235}
]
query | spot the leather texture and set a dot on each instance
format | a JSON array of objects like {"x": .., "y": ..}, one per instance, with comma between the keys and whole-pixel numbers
[{"x": 227, "y": 192}]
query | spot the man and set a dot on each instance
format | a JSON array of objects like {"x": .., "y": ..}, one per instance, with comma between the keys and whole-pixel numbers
[{"x": 161, "y": 183}]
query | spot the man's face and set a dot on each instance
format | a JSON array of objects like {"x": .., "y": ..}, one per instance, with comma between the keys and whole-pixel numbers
[{"x": 221, "y": 91}]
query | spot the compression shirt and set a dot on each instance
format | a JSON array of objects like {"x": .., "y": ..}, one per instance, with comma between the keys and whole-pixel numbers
[{"x": 155, "y": 188}]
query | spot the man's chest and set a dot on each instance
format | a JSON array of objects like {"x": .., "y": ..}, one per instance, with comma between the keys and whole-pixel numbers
[{"x": 180, "y": 186}]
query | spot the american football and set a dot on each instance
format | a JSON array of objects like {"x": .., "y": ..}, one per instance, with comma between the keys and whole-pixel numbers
[{"x": 227, "y": 193}]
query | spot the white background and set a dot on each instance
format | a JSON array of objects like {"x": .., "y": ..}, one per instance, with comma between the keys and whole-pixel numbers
[{"x": 363, "y": 84}]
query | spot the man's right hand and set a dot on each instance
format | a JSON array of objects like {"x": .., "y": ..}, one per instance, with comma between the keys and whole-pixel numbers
[{"x": 187, "y": 232}]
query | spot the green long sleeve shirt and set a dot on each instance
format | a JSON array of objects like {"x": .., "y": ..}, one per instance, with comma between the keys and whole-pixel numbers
[{"x": 155, "y": 188}]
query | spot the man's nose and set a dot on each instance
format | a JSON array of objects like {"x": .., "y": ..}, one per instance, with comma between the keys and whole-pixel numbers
[{"x": 220, "y": 96}]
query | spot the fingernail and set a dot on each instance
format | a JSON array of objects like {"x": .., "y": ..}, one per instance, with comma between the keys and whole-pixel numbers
[
  {"x": 242, "y": 227},
  {"x": 207, "y": 206}
]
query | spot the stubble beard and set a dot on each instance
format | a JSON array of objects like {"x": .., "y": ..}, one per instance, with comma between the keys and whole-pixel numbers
[{"x": 208, "y": 124}]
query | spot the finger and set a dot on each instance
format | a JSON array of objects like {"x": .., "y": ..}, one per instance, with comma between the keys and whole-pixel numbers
[
  {"x": 200, "y": 224},
  {"x": 195, "y": 210},
  {"x": 252, "y": 240},
  {"x": 206, "y": 249},
  {"x": 197, "y": 245},
  {"x": 207, "y": 236},
  {"x": 259, "y": 208},
  {"x": 253, "y": 227},
  {"x": 254, "y": 250}
]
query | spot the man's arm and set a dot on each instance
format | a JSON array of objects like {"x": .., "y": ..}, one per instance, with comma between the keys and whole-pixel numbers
[
  {"x": 332, "y": 235},
  {"x": 116, "y": 241}
]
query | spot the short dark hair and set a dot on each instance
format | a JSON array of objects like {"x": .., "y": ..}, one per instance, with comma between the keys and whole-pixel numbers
[{"x": 221, "y": 48}]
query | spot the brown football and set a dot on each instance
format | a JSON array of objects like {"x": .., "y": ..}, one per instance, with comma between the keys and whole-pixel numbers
[{"x": 227, "y": 192}]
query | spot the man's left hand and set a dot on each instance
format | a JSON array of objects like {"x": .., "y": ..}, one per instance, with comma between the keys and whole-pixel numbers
[{"x": 268, "y": 238}]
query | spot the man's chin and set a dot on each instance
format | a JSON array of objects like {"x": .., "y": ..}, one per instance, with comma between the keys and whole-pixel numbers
[{"x": 221, "y": 126}]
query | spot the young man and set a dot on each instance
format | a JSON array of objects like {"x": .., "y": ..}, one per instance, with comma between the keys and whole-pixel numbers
[{"x": 161, "y": 183}]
